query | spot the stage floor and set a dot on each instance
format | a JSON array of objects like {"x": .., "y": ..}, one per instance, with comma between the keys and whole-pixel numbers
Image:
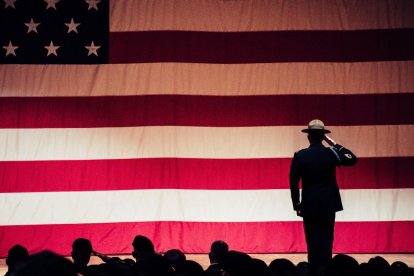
[{"x": 295, "y": 258}]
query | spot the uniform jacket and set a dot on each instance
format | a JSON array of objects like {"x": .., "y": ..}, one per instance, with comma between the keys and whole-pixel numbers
[{"x": 316, "y": 167}]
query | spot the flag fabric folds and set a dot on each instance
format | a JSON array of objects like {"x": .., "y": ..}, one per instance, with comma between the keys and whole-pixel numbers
[{"x": 178, "y": 120}]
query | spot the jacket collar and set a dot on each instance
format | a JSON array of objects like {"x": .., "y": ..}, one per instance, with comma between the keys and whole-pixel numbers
[{"x": 319, "y": 145}]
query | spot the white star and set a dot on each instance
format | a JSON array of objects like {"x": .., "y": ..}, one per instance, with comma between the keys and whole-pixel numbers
[
  {"x": 93, "y": 4},
  {"x": 51, "y": 49},
  {"x": 51, "y": 3},
  {"x": 10, "y": 49},
  {"x": 92, "y": 49},
  {"x": 32, "y": 26},
  {"x": 9, "y": 3},
  {"x": 72, "y": 26}
]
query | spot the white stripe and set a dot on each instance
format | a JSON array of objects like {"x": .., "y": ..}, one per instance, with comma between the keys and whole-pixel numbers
[
  {"x": 194, "y": 142},
  {"x": 377, "y": 205},
  {"x": 308, "y": 78},
  {"x": 192, "y": 205}
]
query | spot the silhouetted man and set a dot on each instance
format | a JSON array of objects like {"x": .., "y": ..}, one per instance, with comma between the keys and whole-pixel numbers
[
  {"x": 148, "y": 262},
  {"x": 81, "y": 254},
  {"x": 143, "y": 248},
  {"x": 315, "y": 166},
  {"x": 217, "y": 255},
  {"x": 175, "y": 258},
  {"x": 17, "y": 254}
]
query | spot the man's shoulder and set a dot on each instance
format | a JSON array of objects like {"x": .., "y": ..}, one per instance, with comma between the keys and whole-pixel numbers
[
  {"x": 311, "y": 149},
  {"x": 299, "y": 153}
]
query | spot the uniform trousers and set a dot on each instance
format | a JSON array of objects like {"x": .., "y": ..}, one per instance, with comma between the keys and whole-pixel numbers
[{"x": 319, "y": 233}]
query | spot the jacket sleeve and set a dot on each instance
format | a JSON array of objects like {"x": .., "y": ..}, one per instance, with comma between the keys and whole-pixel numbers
[
  {"x": 294, "y": 179},
  {"x": 345, "y": 156}
]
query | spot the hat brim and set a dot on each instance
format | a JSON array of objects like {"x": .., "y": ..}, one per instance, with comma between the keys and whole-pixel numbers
[{"x": 310, "y": 130}]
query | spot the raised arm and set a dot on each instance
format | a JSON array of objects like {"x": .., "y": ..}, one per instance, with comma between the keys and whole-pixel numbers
[{"x": 344, "y": 155}]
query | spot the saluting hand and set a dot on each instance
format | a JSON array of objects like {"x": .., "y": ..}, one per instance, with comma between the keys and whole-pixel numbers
[{"x": 329, "y": 140}]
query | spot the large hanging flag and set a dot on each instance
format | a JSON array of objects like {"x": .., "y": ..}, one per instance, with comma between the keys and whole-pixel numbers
[{"x": 178, "y": 120}]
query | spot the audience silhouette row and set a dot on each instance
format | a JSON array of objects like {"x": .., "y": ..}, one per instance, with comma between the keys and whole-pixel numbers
[{"x": 223, "y": 262}]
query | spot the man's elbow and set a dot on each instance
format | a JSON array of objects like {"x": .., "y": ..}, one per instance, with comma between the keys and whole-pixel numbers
[{"x": 350, "y": 161}]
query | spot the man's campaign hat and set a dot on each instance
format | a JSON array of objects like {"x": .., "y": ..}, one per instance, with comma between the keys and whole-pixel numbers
[{"x": 316, "y": 126}]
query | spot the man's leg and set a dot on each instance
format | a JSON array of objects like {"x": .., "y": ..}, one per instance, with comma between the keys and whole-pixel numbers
[
  {"x": 319, "y": 233},
  {"x": 327, "y": 235}
]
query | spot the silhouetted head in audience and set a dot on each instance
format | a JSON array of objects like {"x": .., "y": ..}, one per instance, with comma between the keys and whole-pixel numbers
[
  {"x": 282, "y": 267},
  {"x": 46, "y": 263},
  {"x": 379, "y": 266},
  {"x": 16, "y": 255},
  {"x": 238, "y": 264},
  {"x": 218, "y": 252},
  {"x": 143, "y": 248},
  {"x": 342, "y": 265},
  {"x": 259, "y": 267},
  {"x": 302, "y": 269},
  {"x": 399, "y": 269},
  {"x": 175, "y": 258},
  {"x": 81, "y": 252},
  {"x": 363, "y": 269}
]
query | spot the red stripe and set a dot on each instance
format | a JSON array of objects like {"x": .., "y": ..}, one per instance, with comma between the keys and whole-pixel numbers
[
  {"x": 196, "y": 237},
  {"x": 176, "y": 173},
  {"x": 257, "y": 47},
  {"x": 220, "y": 111}
]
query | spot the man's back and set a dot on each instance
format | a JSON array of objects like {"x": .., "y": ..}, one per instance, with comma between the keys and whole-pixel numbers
[{"x": 316, "y": 167}]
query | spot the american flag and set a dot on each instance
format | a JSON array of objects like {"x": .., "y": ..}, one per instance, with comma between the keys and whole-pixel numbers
[{"x": 178, "y": 120}]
